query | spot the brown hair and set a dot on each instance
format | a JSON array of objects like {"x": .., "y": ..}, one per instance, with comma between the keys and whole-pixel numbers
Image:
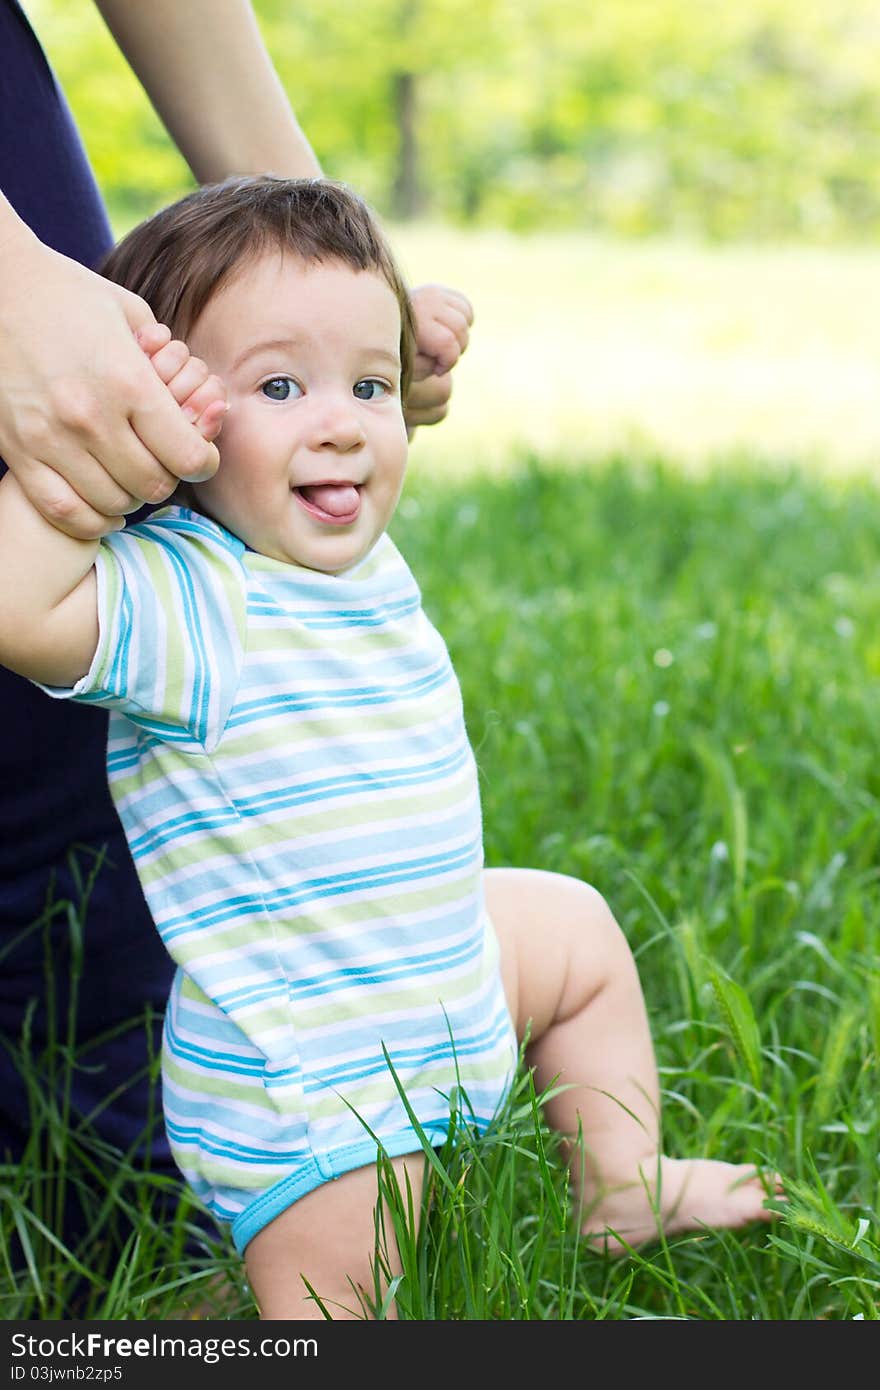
[{"x": 178, "y": 258}]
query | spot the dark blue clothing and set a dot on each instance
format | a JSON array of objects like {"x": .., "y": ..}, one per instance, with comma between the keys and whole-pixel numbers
[
  {"x": 55, "y": 809},
  {"x": 43, "y": 168}
]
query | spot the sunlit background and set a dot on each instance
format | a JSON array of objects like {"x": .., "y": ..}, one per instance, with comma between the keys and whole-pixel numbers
[{"x": 666, "y": 214}]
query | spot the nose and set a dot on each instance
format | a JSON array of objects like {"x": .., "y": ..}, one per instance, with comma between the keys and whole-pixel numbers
[{"x": 335, "y": 424}]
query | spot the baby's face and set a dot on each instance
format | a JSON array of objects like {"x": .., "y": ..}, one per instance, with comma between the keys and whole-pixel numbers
[{"x": 313, "y": 449}]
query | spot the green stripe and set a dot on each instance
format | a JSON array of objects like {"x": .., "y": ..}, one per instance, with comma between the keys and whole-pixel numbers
[
  {"x": 346, "y": 915},
  {"x": 350, "y": 641},
  {"x": 376, "y": 1005},
  {"x": 247, "y": 835},
  {"x": 235, "y": 1089},
  {"x": 329, "y": 1105}
]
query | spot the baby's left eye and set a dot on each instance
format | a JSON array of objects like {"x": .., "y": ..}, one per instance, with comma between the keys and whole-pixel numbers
[{"x": 370, "y": 390}]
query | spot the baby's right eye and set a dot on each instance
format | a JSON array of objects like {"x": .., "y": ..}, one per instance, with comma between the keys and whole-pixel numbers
[{"x": 280, "y": 388}]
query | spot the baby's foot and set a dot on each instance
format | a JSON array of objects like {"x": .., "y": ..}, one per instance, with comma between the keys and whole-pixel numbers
[{"x": 675, "y": 1194}]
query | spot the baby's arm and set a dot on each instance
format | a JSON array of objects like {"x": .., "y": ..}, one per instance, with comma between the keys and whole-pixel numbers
[
  {"x": 48, "y": 589},
  {"x": 48, "y": 593}
]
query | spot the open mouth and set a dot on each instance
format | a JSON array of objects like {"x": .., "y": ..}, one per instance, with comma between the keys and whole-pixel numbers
[{"x": 334, "y": 504}]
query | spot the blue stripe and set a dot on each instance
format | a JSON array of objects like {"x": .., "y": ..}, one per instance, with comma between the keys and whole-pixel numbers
[
  {"x": 423, "y": 1055},
  {"x": 357, "y": 977},
  {"x": 198, "y": 714},
  {"x": 460, "y": 955},
  {"x": 227, "y": 1149},
  {"x": 423, "y": 1058},
  {"x": 209, "y": 1058},
  {"x": 266, "y": 673},
  {"x": 247, "y": 712},
  {"x": 160, "y": 731},
  {"x": 282, "y": 799},
  {"x": 267, "y": 989},
  {"x": 179, "y": 520},
  {"x": 118, "y": 677},
  {"x": 263, "y": 606},
  {"x": 312, "y": 889},
  {"x": 123, "y": 761}
]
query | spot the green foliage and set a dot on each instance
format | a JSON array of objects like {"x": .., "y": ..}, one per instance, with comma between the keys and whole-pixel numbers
[
  {"x": 760, "y": 119},
  {"x": 671, "y": 686},
  {"x": 137, "y": 166}
]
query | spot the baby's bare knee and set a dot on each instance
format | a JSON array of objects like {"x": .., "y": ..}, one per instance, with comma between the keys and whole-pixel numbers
[
  {"x": 589, "y": 946},
  {"x": 580, "y": 916},
  {"x": 559, "y": 941}
]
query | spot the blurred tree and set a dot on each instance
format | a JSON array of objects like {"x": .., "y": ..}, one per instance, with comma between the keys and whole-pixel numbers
[{"x": 756, "y": 119}]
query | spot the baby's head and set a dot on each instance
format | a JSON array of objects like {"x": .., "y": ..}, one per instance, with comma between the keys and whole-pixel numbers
[{"x": 289, "y": 292}]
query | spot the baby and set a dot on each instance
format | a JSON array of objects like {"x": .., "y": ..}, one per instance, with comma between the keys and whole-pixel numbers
[{"x": 288, "y": 756}]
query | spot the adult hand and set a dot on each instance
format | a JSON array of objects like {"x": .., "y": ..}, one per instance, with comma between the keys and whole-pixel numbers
[
  {"x": 443, "y": 319},
  {"x": 86, "y": 425}
]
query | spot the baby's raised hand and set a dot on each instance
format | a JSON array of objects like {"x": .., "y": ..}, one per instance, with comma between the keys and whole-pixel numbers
[
  {"x": 443, "y": 319},
  {"x": 200, "y": 395}
]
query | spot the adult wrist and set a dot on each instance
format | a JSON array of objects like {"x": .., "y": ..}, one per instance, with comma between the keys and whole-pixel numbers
[
  {"x": 12, "y": 228},
  {"x": 17, "y": 243}
]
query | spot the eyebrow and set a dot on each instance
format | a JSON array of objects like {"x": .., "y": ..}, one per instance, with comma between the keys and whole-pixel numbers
[
  {"x": 270, "y": 345},
  {"x": 280, "y": 344}
]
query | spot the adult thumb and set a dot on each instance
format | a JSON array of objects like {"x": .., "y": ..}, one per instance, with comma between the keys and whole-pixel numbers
[{"x": 137, "y": 311}]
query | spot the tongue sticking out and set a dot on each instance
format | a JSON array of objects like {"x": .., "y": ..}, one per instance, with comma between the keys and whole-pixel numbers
[{"x": 336, "y": 499}]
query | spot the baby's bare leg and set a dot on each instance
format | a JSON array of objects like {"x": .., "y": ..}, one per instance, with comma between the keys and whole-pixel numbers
[
  {"x": 570, "y": 976},
  {"x": 328, "y": 1238}
]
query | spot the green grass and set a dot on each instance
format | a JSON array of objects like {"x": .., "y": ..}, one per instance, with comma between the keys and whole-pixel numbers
[{"x": 672, "y": 685}]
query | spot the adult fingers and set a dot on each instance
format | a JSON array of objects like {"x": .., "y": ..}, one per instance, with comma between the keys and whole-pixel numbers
[
  {"x": 101, "y": 492},
  {"x": 132, "y": 428},
  {"x": 66, "y": 508},
  {"x": 141, "y": 319},
  {"x": 83, "y": 425}
]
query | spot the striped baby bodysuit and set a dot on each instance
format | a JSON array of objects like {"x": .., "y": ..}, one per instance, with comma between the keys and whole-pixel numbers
[{"x": 288, "y": 756}]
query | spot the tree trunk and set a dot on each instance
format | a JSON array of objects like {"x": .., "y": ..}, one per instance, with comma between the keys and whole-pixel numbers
[{"x": 407, "y": 199}]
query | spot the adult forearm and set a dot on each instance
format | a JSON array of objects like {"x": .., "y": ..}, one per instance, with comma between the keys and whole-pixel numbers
[{"x": 205, "y": 68}]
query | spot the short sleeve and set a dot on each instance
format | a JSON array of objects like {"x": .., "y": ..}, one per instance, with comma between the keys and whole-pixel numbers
[{"x": 172, "y": 601}]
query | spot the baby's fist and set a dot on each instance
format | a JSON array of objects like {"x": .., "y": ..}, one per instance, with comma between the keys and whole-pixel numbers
[
  {"x": 200, "y": 395},
  {"x": 443, "y": 319}
]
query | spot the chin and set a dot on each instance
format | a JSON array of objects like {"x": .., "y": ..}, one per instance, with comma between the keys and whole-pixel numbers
[
  {"x": 327, "y": 561},
  {"x": 335, "y": 557}
]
